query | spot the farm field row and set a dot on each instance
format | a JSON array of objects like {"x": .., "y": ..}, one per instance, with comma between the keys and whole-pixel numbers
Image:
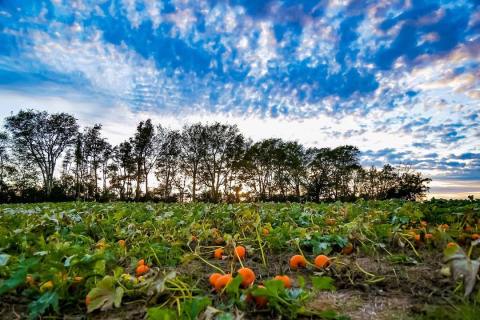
[{"x": 363, "y": 260}]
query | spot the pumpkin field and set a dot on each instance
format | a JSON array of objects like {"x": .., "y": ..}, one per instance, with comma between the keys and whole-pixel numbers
[{"x": 363, "y": 260}]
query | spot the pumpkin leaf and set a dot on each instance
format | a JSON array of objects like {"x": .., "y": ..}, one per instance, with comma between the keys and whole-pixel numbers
[
  {"x": 193, "y": 307},
  {"x": 156, "y": 284},
  {"x": 161, "y": 313},
  {"x": 100, "y": 267},
  {"x": 211, "y": 313},
  {"x": 4, "y": 259},
  {"x": 39, "y": 306},
  {"x": 105, "y": 295},
  {"x": 19, "y": 276},
  {"x": 323, "y": 283},
  {"x": 234, "y": 286},
  {"x": 462, "y": 267},
  {"x": 68, "y": 261}
]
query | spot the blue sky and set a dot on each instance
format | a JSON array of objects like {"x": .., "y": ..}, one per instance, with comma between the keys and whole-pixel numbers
[{"x": 398, "y": 79}]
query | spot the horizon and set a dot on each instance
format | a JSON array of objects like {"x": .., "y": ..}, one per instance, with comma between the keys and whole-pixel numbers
[{"x": 399, "y": 81}]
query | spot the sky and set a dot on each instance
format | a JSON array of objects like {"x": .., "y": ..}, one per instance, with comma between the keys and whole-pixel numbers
[{"x": 398, "y": 79}]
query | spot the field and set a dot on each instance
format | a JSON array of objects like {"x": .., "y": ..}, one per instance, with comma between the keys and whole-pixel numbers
[{"x": 386, "y": 260}]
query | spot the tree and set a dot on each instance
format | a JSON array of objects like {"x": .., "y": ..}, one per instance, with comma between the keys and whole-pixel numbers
[
  {"x": 169, "y": 150},
  {"x": 331, "y": 173},
  {"x": 212, "y": 160},
  {"x": 223, "y": 146},
  {"x": 259, "y": 166},
  {"x": 105, "y": 157},
  {"x": 144, "y": 148},
  {"x": 412, "y": 185},
  {"x": 25, "y": 178},
  {"x": 78, "y": 159},
  {"x": 319, "y": 168},
  {"x": 192, "y": 153},
  {"x": 67, "y": 180},
  {"x": 4, "y": 157},
  {"x": 125, "y": 160},
  {"x": 290, "y": 168},
  {"x": 42, "y": 138},
  {"x": 94, "y": 146},
  {"x": 345, "y": 162}
]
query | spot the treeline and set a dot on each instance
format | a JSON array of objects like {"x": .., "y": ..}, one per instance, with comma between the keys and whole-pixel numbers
[{"x": 47, "y": 157}]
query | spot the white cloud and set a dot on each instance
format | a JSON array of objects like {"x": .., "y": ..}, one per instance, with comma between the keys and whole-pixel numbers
[
  {"x": 184, "y": 21},
  {"x": 152, "y": 12}
]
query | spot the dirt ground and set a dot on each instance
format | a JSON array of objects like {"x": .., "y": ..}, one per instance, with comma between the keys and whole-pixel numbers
[{"x": 368, "y": 287}]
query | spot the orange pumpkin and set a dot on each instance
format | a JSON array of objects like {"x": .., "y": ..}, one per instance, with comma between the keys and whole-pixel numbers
[
  {"x": 330, "y": 221},
  {"x": 444, "y": 227},
  {"x": 218, "y": 253},
  {"x": 322, "y": 261},
  {"x": 287, "y": 283},
  {"x": 213, "y": 278},
  {"x": 141, "y": 270},
  {"x": 248, "y": 276},
  {"x": 261, "y": 301},
  {"x": 222, "y": 282},
  {"x": 297, "y": 261},
  {"x": 451, "y": 244},
  {"x": 348, "y": 249},
  {"x": 240, "y": 252}
]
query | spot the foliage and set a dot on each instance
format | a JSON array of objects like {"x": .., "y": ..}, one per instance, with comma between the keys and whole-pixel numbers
[{"x": 57, "y": 255}]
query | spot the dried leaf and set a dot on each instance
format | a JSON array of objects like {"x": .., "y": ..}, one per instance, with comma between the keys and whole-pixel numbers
[
  {"x": 462, "y": 267},
  {"x": 105, "y": 295}
]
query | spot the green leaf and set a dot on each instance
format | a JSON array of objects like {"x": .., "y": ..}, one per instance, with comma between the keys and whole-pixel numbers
[
  {"x": 225, "y": 316},
  {"x": 4, "y": 259},
  {"x": 99, "y": 267},
  {"x": 192, "y": 308},
  {"x": 323, "y": 283},
  {"x": 68, "y": 261},
  {"x": 19, "y": 276},
  {"x": 331, "y": 314},
  {"x": 105, "y": 295},
  {"x": 301, "y": 281},
  {"x": 160, "y": 313},
  {"x": 273, "y": 288},
  {"x": 46, "y": 300},
  {"x": 234, "y": 286},
  {"x": 295, "y": 293}
]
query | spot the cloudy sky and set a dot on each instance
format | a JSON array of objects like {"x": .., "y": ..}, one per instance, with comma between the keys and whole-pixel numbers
[{"x": 398, "y": 79}]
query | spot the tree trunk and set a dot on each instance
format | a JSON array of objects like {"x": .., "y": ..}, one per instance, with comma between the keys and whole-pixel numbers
[
  {"x": 194, "y": 184},
  {"x": 96, "y": 183},
  {"x": 137, "y": 190}
]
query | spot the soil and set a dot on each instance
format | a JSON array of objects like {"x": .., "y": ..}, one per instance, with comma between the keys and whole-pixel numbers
[{"x": 368, "y": 287}]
